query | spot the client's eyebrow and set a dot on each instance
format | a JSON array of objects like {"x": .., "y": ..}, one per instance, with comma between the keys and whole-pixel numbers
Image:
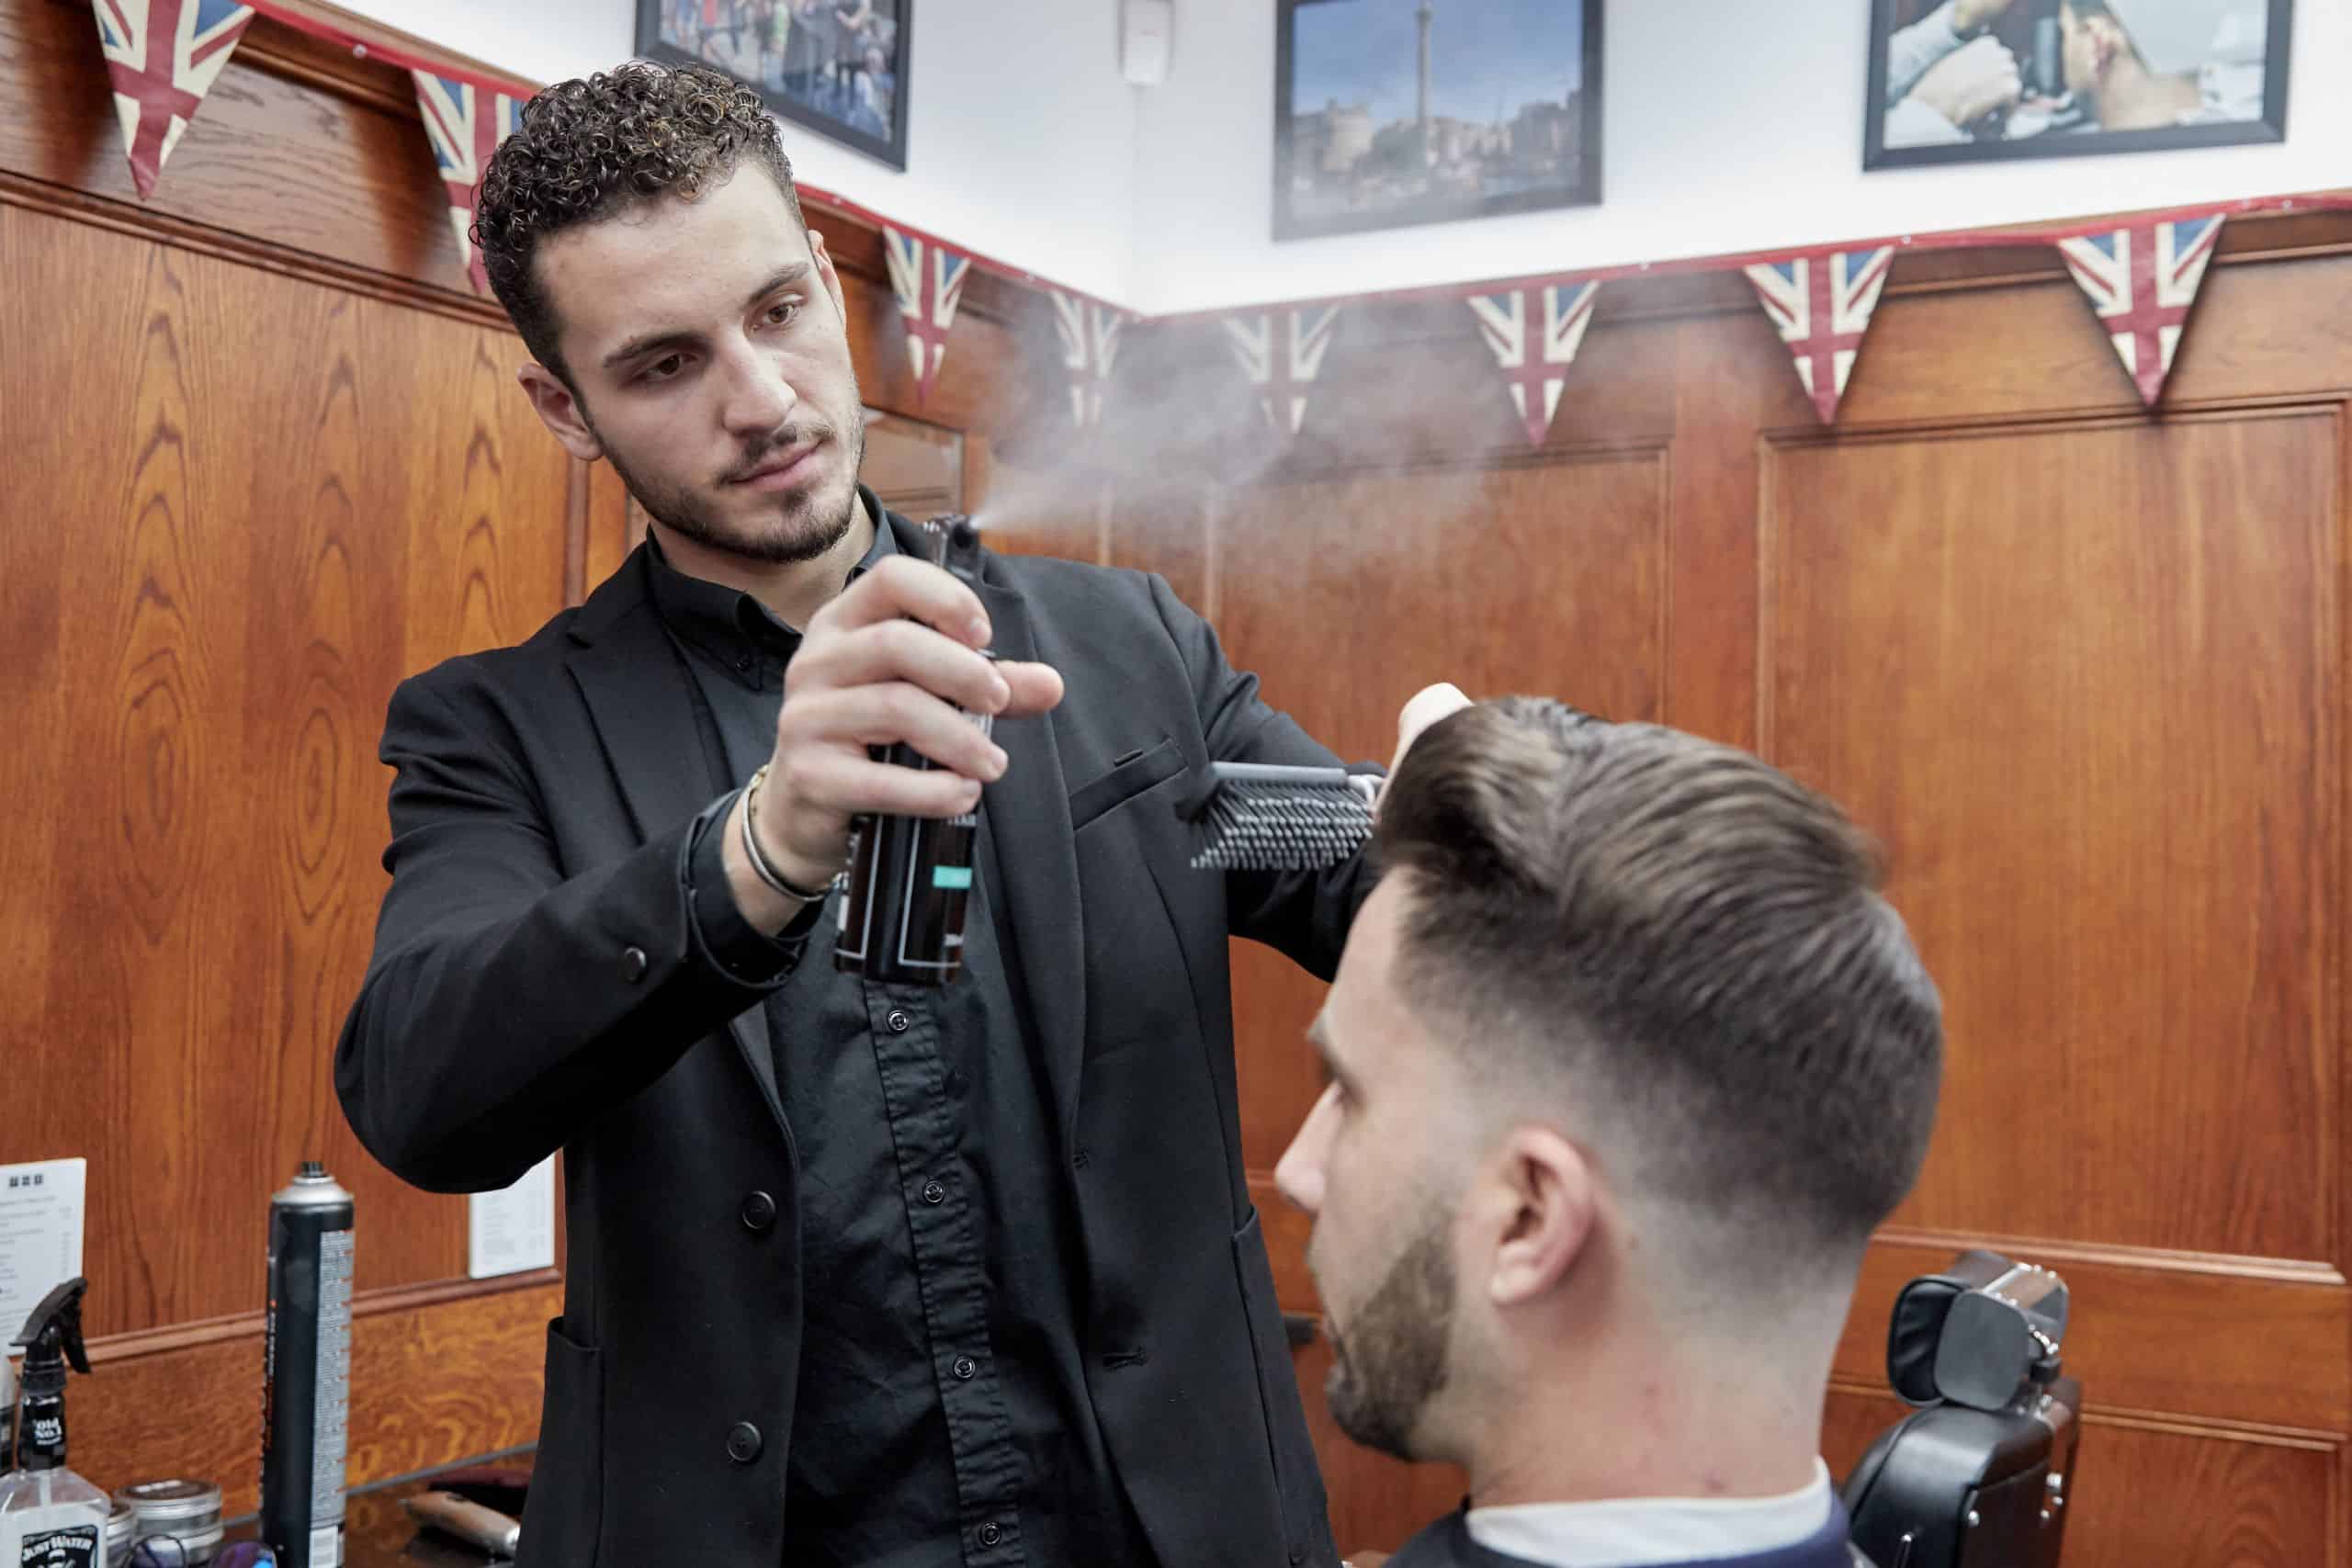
[{"x": 1321, "y": 1038}]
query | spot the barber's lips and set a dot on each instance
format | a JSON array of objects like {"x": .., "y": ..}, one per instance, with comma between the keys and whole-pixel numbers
[{"x": 783, "y": 471}]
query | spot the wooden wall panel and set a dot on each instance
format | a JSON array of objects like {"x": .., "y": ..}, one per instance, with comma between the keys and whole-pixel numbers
[{"x": 2084, "y": 684}]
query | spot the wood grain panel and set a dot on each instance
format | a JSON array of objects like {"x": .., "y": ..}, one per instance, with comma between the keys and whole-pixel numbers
[
  {"x": 431, "y": 1382},
  {"x": 211, "y": 646},
  {"x": 2148, "y": 1492},
  {"x": 1348, "y": 594},
  {"x": 2084, "y": 681}
]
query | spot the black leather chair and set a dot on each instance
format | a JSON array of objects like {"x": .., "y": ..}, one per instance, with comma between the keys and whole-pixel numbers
[{"x": 1978, "y": 1476}]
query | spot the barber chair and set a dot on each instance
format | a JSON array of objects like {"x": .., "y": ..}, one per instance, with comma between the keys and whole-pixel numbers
[{"x": 1978, "y": 1476}]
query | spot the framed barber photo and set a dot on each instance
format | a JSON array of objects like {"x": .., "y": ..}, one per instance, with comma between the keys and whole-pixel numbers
[
  {"x": 1397, "y": 112},
  {"x": 1972, "y": 80},
  {"x": 838, "y": 67}
]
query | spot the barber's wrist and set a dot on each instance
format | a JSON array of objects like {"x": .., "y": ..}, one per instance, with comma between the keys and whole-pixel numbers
[{"x": 763, "y": 908}]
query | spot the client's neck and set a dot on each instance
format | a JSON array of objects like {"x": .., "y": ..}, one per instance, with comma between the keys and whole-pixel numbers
[{"x": 1641, "y": 1410}]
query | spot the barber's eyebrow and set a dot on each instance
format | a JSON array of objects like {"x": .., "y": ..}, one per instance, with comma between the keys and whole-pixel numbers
[{"x": 644, "y": 343}]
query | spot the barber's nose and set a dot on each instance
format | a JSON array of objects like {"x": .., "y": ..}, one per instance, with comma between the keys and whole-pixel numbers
[
  {"x": 759, "y": 398},
  {"x": 1299, "y": 1173}
]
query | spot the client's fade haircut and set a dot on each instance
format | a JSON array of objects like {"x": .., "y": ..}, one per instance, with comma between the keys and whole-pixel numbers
[
  {"x": 597, "y": 147},
  {"x": 1690, "y": 940}
]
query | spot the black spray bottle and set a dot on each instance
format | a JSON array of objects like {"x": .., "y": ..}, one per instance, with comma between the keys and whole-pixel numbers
[{"x": 50, "y": 1517}]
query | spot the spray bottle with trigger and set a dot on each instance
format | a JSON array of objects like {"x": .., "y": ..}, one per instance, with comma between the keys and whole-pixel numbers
[
  {"x": 48, "y": 1516},
  {"x": 910, "y": 877}
]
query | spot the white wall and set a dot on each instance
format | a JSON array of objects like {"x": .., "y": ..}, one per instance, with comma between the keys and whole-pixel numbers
[
  {"x": 1730, "y": 126},
  {"x": 1022, "y": 140}
]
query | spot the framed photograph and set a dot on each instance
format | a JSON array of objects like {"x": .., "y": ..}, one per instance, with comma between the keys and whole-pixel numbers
[
  {"x": 1966, "y": 81},
  {"x": 1396, "y": 112},
  {"x": 837, "y": 66}
]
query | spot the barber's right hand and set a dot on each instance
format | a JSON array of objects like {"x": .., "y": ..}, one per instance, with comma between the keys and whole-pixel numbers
[{"x": 889, "y": 659}]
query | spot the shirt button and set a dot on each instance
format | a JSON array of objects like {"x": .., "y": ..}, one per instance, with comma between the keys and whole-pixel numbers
[
  {"x": 633, "y": 964},
  {"x": 759, "y": 1211},
  {"x": 932, "y": 1193},
  {"x": 966, "y": 1367},
  {"x": 990, "y": 1534},
  {"x": 743, "y": 1442},
  {"x": 899, "y": 1021}
]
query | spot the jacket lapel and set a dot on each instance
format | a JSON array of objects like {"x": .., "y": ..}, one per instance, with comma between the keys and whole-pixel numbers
[
  {"x": 1035, "y": 868},
  {"x": 634, "y": 686}
]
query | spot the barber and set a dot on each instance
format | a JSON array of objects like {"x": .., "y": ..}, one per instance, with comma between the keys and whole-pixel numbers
[{"x": 903, "y": 1277}]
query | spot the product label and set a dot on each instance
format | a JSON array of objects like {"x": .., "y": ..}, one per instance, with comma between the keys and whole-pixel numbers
[
  {"x": 326, "y": 1546},
  {"x": 44, "y": 1429},
  {"x": 333, "y": 1387},
  {"x": 76, "y": 1546}
]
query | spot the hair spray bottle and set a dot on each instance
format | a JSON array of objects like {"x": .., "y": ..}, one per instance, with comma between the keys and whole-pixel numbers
[
  {"x": 306, "y": 1386},
  {"x": 902, "y": 916}
]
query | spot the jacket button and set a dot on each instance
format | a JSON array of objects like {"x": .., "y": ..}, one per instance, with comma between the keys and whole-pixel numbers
[
  {"x": 990, "y": 1534},
  {"x": 932, "y": 1193},
  {"x": 759, "y": 1211},
  {"x": 899, "y": 1021},
  {"x": 633, "y": 964},
  {"x": 965, "y": 1366},
  {"x": 743, "y": 1442}
]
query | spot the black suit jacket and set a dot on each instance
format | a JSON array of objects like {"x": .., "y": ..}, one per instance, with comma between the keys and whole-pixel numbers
[{"x": 536, "y": 986}]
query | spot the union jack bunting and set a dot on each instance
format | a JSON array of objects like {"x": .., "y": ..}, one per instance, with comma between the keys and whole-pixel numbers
[
  {"x": 1821, "y": 303},
  {"x": 163, "y": 56},
  {"x": 929, "y": 278},
  {"x": 1534, "y": 334},
  {"x": 465, "y": 123},
  {"x": 2143, "y": 281},
  {"x": 1282, "y": 352},
  {"x": 1089, "y": 335}
]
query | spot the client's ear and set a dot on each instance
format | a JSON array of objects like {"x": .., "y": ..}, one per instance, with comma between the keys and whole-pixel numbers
[{"x": 1544, "y": 1195}]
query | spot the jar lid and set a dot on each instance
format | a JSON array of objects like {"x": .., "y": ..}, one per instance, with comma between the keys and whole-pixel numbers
[{"x": 164, "y": 1502}]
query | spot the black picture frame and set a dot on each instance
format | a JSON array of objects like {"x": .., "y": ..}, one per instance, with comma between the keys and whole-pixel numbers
[
  {"x": 888, "y": 145},
  {"x": 1583, "y": 190},
  {"x": 2269, "y": 127}
]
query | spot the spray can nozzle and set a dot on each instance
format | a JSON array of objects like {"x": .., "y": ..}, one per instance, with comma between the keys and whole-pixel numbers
[{"x": 52, "y": 1337}]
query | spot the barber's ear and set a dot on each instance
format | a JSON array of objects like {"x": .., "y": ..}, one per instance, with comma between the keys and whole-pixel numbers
[
  {"x": 1549, "y": 1200},
  {"x": 559, "y": 412},
  {"x": 825, "y": 270}
]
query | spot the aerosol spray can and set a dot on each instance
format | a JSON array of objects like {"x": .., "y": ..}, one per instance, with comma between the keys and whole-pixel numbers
[
  {"x": 902, "y": 917},
  {"x": 306, "y": 1388}
]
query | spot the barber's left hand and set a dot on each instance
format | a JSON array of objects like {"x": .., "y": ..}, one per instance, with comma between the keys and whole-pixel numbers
[{"x": 1424, "y": 708}]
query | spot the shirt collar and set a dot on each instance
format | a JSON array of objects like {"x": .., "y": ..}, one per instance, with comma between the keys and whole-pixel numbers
[
  {"x": 1634, "y": 1532},
  {"x": 729, "y": 623}
]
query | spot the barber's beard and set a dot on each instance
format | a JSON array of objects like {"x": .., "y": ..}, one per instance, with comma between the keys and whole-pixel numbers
[
  {"x": 797, "y": 527},
  {"x": 1391, "y": 1361}
]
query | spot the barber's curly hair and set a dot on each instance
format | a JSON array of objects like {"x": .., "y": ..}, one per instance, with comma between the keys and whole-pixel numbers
[{"x": 587, "y": 150}]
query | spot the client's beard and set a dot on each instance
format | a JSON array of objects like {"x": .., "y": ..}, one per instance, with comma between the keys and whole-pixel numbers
[
  {"x": 1392, "y": 1360},
  {"x": 803, "y": 531}
]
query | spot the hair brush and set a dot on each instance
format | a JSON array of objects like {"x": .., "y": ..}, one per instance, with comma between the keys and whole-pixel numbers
[{"x": 1263, "y": 817}]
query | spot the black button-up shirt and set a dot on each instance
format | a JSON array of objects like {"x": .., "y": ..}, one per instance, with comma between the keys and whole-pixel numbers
[{"x": 942, "y": 1418}]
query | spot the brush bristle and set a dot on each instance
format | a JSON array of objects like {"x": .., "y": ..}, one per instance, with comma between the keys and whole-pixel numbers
[{"x": 1282, "y": 826}]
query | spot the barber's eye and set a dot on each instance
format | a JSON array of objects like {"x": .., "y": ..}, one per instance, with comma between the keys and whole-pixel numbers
[
  {"x": 666, "y": 367},
  {"x": 781, "y": 313}
]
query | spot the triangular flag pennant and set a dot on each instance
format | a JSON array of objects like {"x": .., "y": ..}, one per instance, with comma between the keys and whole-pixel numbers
[
  {"x": 1282, "y": 352},
  {"x": 2143, "y": 280},
  {"x": 1090, "y": 334},
  {"x": 1535, "y": 332},
  {"x": 163, "y": 56},
  {"x": 465, "y": 124},
  {"x": 1821, "y": 303},
  {"x": 929, "y": 278}
]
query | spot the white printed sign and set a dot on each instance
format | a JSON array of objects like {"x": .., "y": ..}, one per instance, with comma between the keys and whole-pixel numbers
[
  {"x": 41, "y": 1235},
  {"x": 512, "y": 1229}
]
